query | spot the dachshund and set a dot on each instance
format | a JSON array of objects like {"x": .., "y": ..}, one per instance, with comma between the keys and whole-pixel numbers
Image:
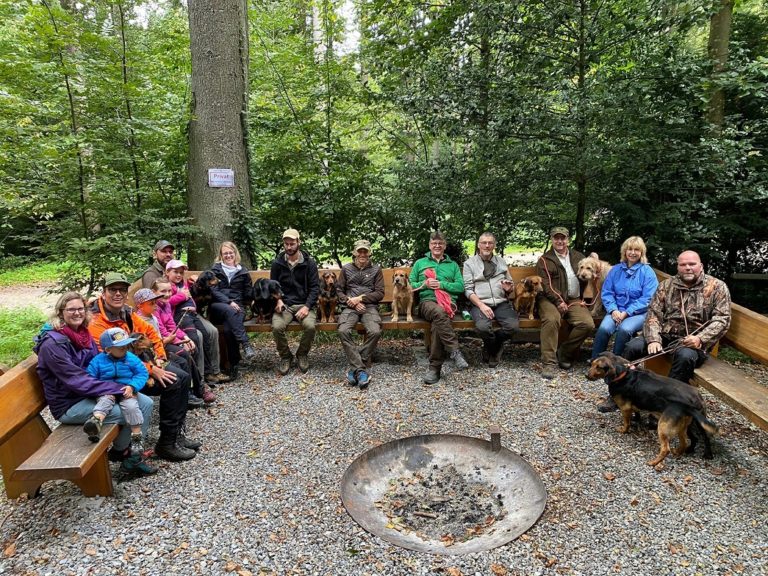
[
  {"x": 402, "y": 296},
  {"x": 328, "y": 297},
  {"x": 525, "y": 293},
  {"x": 200, "y": 290},
  {"x": 266, "y": 293},
  {"x": 143, "y": 348},
  {"x": 676, "y": 404}
]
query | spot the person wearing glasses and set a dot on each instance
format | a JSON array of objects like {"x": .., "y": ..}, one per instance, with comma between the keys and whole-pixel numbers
[
  {"x": 173, "y": 382},
  {"x": 439, "y": 281},
  {"x": 64, "y": 350}
]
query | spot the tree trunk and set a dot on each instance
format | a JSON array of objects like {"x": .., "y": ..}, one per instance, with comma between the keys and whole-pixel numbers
[
  {"x": 719, "y": 36},
  {"x": 218, "y": 31}
]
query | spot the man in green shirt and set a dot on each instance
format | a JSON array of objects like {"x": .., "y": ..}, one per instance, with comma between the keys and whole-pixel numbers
[{"x": 448, "y": 278}]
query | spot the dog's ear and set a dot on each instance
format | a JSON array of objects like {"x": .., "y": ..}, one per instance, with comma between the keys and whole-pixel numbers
[{"x": 529, "y": 284}]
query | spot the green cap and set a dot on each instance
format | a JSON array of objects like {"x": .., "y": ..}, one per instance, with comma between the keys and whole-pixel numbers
[
  {"x": 115, "y": 278},
  {"x": 559, "y": 230}
]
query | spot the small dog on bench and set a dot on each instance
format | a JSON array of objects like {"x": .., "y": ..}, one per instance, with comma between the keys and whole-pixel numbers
[
  {"x": 328, "y": 297},
  {"x": 402, "y": 297},
  {"x": 525, "y": 293},
  {"x": 266, "y": 293},
  {"x": 200, "y": 290}
]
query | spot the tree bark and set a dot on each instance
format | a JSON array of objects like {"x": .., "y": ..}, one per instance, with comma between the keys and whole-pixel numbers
[
  {"x": 218, "y": 31},
  {"x": 719, "y": 37}
]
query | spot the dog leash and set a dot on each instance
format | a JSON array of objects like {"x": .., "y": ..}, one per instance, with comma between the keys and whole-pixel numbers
[
  {"x": 549, "y": 277},
  {"x": 671, "y": 347}
]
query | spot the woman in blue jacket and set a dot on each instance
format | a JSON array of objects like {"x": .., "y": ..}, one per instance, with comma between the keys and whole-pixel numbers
[{"x": 626, "y": 293}]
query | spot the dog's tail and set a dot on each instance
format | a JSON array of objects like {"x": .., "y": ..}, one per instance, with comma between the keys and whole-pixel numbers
[{"x": 706, "y": 424}]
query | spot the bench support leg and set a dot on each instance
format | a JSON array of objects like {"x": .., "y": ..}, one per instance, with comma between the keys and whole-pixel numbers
[
  {"x": 98, "y": 480},
  {"x": 16, "y": 450}
]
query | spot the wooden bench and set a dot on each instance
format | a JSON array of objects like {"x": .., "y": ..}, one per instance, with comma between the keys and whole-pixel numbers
[{"x": 30, "y": 453}]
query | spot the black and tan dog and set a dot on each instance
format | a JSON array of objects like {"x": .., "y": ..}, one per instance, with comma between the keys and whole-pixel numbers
[
  {"x": 525, "y": 293},
  {"x": 200, "y": 290},
  {"x": 328, "y": 298},
  {"x": 674, "y": 403},
  {"x": 145, "y": 350},
  {"x": 402, "y": 297},
  {"x": 266, "y": 293}
]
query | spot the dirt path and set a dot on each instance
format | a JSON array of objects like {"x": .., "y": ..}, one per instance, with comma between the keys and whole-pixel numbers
[{"x": 28, "y": 296}]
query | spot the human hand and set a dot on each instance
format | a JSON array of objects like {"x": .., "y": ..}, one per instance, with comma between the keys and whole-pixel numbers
[
  {"x": 302, "y": 313},
  {"x": 354, "y": 301},
  {"x": 618, "y": 317},
  {"x": 235, "y": 306},
  {"x": 360, "y": 307},
  {"x": 507, "y": 285},
  {"x": 691, "y": 342},
  {"x": 163, "y": 377},
  {"x": 189, "y": 346},
  {"x": 193, "y": 278},
  {"x": 487, "y": 311},
  {"x": 562, "y": 308},
  {"x": 280, "y": 306},
  {"x": 654, "y": 348},
  {"x": 433, "y": 283},
  {"x": 185, "y": 291},
  {"x": 128, "y": 391}
]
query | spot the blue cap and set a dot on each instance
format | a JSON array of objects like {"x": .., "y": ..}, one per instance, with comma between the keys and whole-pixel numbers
[{"x": 114, "y": 337}]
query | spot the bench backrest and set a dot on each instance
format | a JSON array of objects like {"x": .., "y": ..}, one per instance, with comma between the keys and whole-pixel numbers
[
  {"x": 21, "y": 397},
  {"x": 517, "y": 273}
]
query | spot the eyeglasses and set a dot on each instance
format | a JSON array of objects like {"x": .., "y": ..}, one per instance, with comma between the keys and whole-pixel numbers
[
  {"x": 117, "y": 289},
  {"x": 74, "y": 310},
  {"x": 436, "y": 243}
]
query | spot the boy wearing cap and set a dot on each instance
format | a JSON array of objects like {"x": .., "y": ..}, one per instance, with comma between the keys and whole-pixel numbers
[
  {"x": 561, "y": 301},
  {"x": 119, "y": 365},
  {"x": 360, "y": 289},
  {"x": 297, "y": 274}
]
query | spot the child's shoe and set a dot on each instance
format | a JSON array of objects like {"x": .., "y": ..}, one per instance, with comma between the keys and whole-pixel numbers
[
  {"x": 137, "y": 444},
  {"x": 92, "y": 427},
  {"x": 137, "y": 466}
]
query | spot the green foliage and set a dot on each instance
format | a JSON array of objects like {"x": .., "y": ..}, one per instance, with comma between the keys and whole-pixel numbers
[
  {"x": 17, "y": 328},
  {"x": 18, "y": 270}
]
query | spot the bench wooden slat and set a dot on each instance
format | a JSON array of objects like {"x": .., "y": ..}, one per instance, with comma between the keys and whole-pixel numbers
[
  {"x": 741, "y": 392},
  {"x": 748, "y": 333},
  {"x": 22, "y": 396}
]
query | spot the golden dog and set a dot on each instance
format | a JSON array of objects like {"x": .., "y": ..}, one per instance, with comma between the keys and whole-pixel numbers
[
  {"x": 525, "y": 295},
  {"x": 593, "y": 272},
  {"x": 402, "y": 297}
]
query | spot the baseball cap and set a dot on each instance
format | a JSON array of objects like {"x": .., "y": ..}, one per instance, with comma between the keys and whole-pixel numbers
[
  {"x": 362, "y": 245},
  {"x": 144, "y": 295},
  {"x": 173, "y": 264},
  {"x": 162, "y": 244},
  {"x": 559, "y": 230},
  {"x": 291, "y": 233},
  {"x": 115, "y": 278},
  {"x": 114, "y": 337}
]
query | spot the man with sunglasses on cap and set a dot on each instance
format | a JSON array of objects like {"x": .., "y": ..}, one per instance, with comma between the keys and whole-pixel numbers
[{"x": 163, "y": 252}]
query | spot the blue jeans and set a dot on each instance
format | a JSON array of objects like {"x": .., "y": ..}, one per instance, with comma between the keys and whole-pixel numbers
[
  {"x": 80, "y": 412},
  {"x": 624, "y": 333}
]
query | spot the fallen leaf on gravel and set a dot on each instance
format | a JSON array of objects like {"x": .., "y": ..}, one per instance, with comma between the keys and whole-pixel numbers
[
  {"x": 672, "y": 548},
  {"x": 10, "y": 550},
  {"x": 90, "y": 550},
  {"x": 498, "y": 570},
  {"x": 610, "y": 476},
  {"x": 244, "y": 572},
  {"x": 230, "y": 566},
  {"x": 447, "y": 539},
  {"x": 688, "y": 479},
  {"x": 718, "y": 471},
  {"x": 634, "y": 501},
  {"x": 117, "y": 542},
  {"x": 656, "y": 497},
  {"x": 453, "y": 571}
]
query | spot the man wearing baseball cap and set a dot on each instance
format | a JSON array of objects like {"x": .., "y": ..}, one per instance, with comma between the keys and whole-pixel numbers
[
  {"x": 111, "y": 311},
  {"x": 297, "y": 274},
  {"x": 163, "y": 253},
  {"x": 561, "y": 301},
  {"x": 360, "y": 289}
]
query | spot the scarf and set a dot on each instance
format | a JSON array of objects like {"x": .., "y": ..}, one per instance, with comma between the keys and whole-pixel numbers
[
  {"x": 442, "y": 297},
  {"x": 81, "y": 339},
  {"x": 230, "y": 270}
]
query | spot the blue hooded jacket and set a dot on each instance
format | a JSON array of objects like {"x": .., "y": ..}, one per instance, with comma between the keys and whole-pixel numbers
[
  {"x": 126, "y": 371},
  {"x": 629, "y": 289}
]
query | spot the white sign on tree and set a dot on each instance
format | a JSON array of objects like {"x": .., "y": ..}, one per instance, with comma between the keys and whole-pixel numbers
[{"x": 221, "y": 178}]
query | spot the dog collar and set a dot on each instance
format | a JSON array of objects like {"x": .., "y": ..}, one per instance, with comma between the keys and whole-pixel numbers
[{"x": 621, "y": 376}]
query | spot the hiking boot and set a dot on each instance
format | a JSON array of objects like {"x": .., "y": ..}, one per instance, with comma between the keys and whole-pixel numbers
[
  {"x": 564, "y": 364},
  {"x": 351, "y": 377},
  {"x": 115, "y": 455},
  {"x": 303, "y": 361},
  {"x": 194, "y": 402},
  {"x": 184, "y": 441},
  {"x": 458, "y": 360},
  {"x": 548, "y": 371},
  {"x": 137, "y": 466},
  {"x": 137, "y": 444},
  {"x": 363, "y": 379},
  {"x": 285, "y": 365},
  {"x": 168, "y": 449},
  {"x": 607, "y": 406},
  {"x": 248, "y": 352},
  {"x": 208, "y": 396},
  {"x": 92, "y": 427},
  {"x": 218, "y": 378},
  {"x": 495, "y": 356},
  {"x": 432, "y": 376}
]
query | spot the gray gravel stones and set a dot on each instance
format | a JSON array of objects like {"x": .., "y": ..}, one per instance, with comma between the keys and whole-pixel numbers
[{"x": 262, "y": 497}]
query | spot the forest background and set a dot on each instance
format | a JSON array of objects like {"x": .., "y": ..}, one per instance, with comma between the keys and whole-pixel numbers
[{"x": 385, "y": 119}]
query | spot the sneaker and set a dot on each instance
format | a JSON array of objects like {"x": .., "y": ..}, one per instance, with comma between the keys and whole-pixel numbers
[
  {"x": 432, "y": 376},
  {"x": 194, "y": 402},
  {"x": 248, "y": 352},
  {"x": 135, "y": 465},
  {"x": 208, "y": 396},
  {"x": 363, "y": 379},
  {"x": 564, "y": 364},
  {"x": 351, "y": 378},
  {"x": 607, "y": 406},
  {"x": 458, "y": 360},
  {"x": 495, "y": 357},
  {"x": 285, "y": 365},
  {"x": 92, "y": 427},
  {"x": 137, "y": 444},
  {"x": 303, "y": 362},
  {"x": 548, "y": 371},
  {"x": 218, "y": 378}
]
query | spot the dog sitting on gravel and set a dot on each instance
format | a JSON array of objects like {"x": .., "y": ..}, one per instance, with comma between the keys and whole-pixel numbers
[{"x": 676, "y": 405}]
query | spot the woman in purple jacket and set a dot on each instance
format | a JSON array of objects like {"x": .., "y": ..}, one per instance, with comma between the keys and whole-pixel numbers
[{"x": 64, "y": 349}]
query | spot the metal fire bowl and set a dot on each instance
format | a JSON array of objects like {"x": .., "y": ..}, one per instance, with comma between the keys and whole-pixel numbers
[{"x": 367, "y": 480}]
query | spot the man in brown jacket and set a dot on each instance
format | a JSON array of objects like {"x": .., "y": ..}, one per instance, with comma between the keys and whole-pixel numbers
[{"x": 561, "y": 301}]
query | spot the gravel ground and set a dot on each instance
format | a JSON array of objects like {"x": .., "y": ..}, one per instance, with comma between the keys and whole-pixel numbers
[{"x": 262, "y": 497}]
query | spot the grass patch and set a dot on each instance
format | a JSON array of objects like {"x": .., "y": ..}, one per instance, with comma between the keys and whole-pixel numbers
[
  {"x": 17, "y": 328},
  {"x": 728, "y": 354},
  {"x": 39, "y": 272}
]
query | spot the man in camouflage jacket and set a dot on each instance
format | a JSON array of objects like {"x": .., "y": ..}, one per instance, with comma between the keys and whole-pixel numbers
[{"x": 683, "y": 304}]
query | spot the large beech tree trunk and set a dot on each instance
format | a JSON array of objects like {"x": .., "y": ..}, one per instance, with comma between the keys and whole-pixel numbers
[
  {"x": 719, "y": 37},
  {"x": 218, "y": 31}
]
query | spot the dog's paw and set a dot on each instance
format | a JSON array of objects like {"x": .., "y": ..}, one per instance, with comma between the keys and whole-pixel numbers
[{"x": 408, "y": 319}]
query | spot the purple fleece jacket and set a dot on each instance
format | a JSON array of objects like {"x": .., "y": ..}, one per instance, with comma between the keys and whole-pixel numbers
[{"x": 61, "y": 368}]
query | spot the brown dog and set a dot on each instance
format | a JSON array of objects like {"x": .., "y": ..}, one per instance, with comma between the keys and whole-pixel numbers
[
  {"x": 328, "y": 298},
  {"x": 144, "y": 349},
  {"x": 674, "y": 403},
  {"x": 402, "y": 297},
  {"x": 525, "y": 295},
  {"x": 594, "y": 272}
]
